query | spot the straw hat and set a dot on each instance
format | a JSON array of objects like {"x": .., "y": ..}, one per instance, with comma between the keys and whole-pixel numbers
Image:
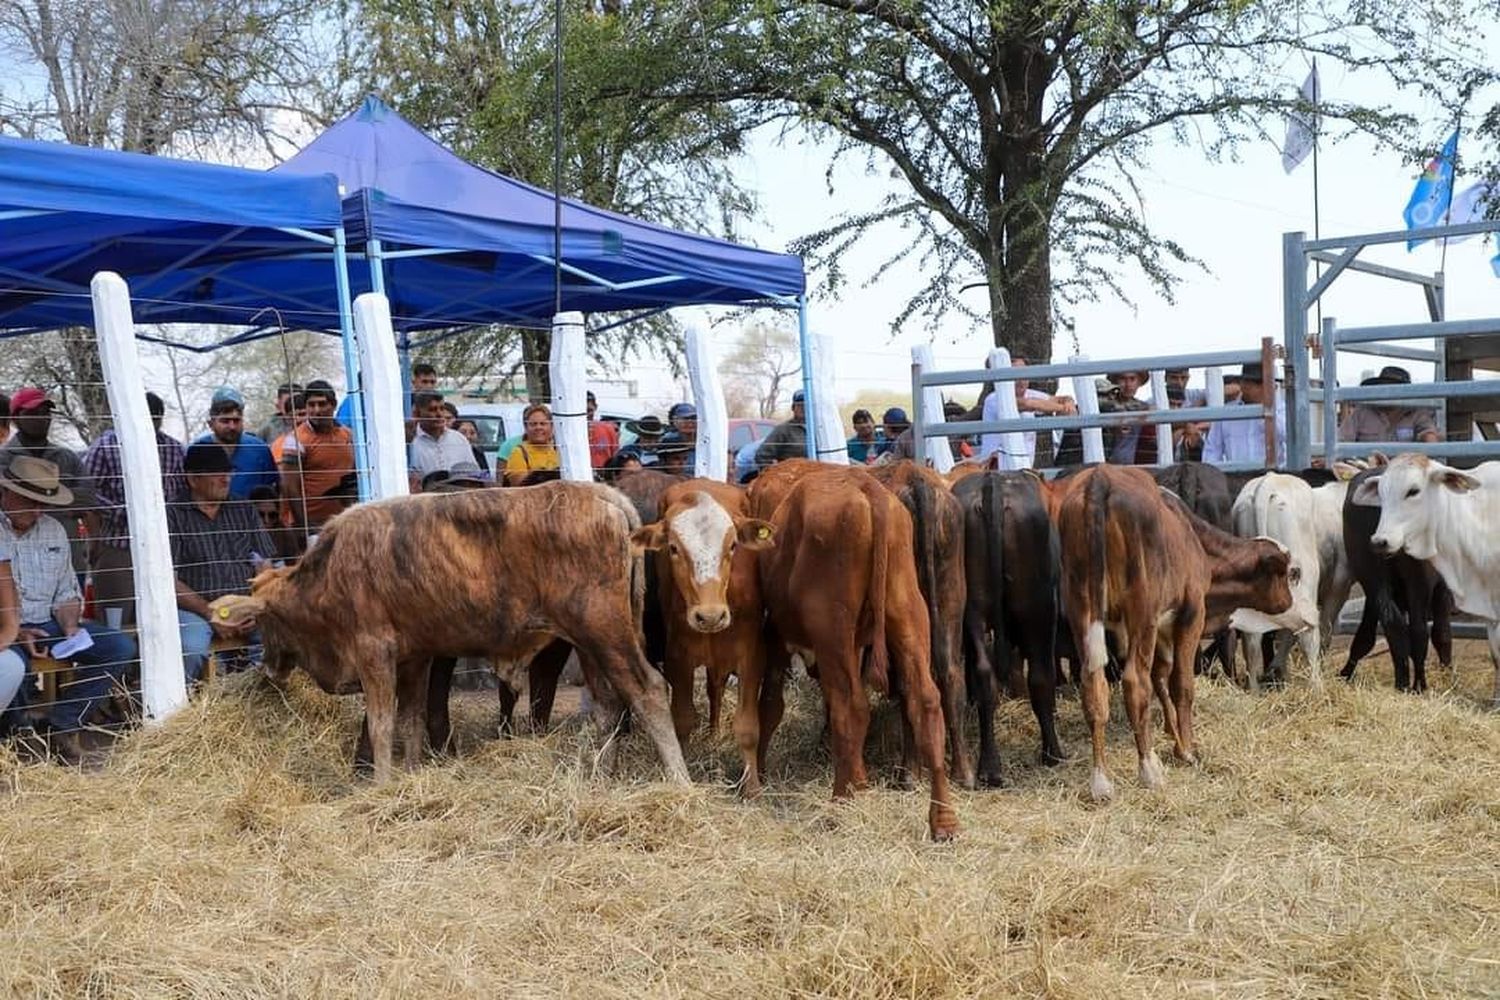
[{"x": 36, "y": 479}]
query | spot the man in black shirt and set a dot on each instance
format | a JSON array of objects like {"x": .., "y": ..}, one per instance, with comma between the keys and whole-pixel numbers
[{"x": 218, "y": 544}]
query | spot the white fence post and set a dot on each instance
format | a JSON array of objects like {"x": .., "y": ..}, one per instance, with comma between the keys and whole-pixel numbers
[
  {"x": 939, "y": 451},
  {"x": 569, "y": 387},
  {"x": 712, "y": 458},
  {"x": 1087, "y": 398},
  {"x": 1163, "y": 432},
  {"x": 1213, "y": 386},
  {"x": 163, "y": 687},
  {"x": 1012, "y": 443},
  {"x": 385, "y": 418},
  {"x": 828, "y": 426}
]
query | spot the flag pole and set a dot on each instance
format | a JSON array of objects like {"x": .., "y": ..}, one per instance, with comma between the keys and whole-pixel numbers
[
  {"x": 1452, "y": 190},
  {"x": 1317, "y": 126}
]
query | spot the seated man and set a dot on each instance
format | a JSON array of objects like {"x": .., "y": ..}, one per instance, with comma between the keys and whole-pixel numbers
[
  {"x": 1389, "y": 421},
  {"x": 218, "y": 544},
  {"x": 12, "y": 667},
  {"x": 51, "y": 606}
]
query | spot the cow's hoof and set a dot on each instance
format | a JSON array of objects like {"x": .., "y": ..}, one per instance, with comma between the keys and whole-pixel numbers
[
  {"x": 1054, "y": 757},
  {"x": 942, "y": 823},
  {"x": 1101, "y": 789},
  {"x": 991, "y": 777},
  {"x": 1153, "y": 776},
  {"x": 1190, "y": 758}
]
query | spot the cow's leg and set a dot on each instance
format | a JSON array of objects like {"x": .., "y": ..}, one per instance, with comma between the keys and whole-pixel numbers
[
  {"x": 411, "y": 710},
  {"x": 1442, "y": 624},
  {"x": 1162, "y": 661},
  {"x": 1041, "y": 687},
  {"x": 377, "y": 679},
  {"x": 747, "y": 717},
  {"x": 982, "y": 691},
  {"x": 1394, "y": 623},
  {"x": 1094, "y": 691},
  {"x": 541, "y": 678},
  {"x": 1135, "y": 686},
  {"x": 1187, "y": 635},
  {"x": 848, "y": 716},
  {"x": 1417, "y": 608},
  {"x": 508, "y": 698},
  {"x": 623, "y": 665},
  {"x": 1255, "y": 664},
  {"x": 679, "y": 667},
  {"x": 772, "y": 702},
  {"x": 953, "y": 691},
  {"x": 924, "y": 714},
  {"x": 1311, "y": 641},
  {"x": 1364, "y": 637},
  {"x": 1492, "y": 636},
  {"x": 718, "y": 680},
  {"x": 439, "y": 683}
]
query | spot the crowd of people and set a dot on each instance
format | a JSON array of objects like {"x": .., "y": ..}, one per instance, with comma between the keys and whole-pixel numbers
[{"x": 239, "y": 501}]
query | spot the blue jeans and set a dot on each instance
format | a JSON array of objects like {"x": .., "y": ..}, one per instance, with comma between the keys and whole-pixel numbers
[
  {"x": 12, "y": 672},
  {"x": 198, "y": 637},
  {"x": 97, "y": 671}
]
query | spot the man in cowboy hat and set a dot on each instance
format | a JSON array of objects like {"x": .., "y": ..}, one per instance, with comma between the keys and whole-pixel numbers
[
  {"x": 51, "y": 606},
  {"x": 1244, "y": 441},
  {"x": 31, "y": 416},
  {"x": 1130, "y": 444},
  {"x": 1392, "y": 421}
]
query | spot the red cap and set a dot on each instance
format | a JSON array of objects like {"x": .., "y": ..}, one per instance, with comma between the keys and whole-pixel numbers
[{"x": 29, "y": 398}]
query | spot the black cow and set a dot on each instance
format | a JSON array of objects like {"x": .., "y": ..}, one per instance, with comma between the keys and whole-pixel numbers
[
  {"x": 1401, "y": 594},
  {"x": 1012, "y": 565}
]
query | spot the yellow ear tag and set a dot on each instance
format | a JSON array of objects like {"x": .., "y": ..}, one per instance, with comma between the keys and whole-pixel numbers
[
  {"x": 763, "y": 533},
  {"x": 223, "y": 612}
]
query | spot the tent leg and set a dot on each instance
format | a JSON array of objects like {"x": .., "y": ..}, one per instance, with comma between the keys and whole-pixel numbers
[
  {"x": 809, "y": 402},
  {"x": 351, "y": 362}
]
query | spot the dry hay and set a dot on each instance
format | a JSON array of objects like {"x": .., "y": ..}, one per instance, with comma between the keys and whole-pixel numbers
[{"x": 1338, "y": 844}]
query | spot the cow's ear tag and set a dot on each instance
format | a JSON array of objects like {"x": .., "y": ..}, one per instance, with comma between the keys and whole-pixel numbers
[
  {"x": 763, "y": 533},
  {"x": 224, "y": 612}
]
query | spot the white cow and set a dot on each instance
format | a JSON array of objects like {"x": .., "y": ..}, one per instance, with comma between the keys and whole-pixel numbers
[
  {"x": 1281, "y": 507},
  {"x": 1450, "y": 518},
  {"x": 1336, "y": 579}
]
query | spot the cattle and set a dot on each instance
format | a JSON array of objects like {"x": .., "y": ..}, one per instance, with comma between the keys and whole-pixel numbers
[
  {"x": 1134, "y": 565},
  {"x": 1279, "y": 506},
  {"x": 499, "y": 573},
  {"x": 1012, "y": 567},
  {"x": 705, "y": 549},
  {"x": 1394, "y": 549},
  {"x": 938, "y": 547},
  {"x": 1205, "y": 490},
  {"x": 644, "y": 488},
  {"x": 841, "y": 578}
]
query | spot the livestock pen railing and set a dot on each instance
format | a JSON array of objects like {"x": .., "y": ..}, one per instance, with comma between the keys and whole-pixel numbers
[{"x": 1090, "y": 421}]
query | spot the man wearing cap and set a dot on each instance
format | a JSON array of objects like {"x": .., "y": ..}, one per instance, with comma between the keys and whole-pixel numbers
[
  {"x": 604, "y": 437},
  {"x": 218, "y": 544},
  {"x": 249, "y": 456},
  {"x": 109, "y": 530},
  {"x": 1389, "y": 421},
  {"x": 436, "y": 446},
  {"x": 1244, "y": 441},
  {"x": 787, "y": 439},
  {"x": 315, "y": 461},
  {"x": 31, "y": 420},
  {"x": 51, "y": 605},
  {"x": 894, "y": 437}
]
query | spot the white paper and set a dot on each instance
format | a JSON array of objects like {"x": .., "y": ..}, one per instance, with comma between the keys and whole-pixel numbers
[{"x": 73, "y": 645}]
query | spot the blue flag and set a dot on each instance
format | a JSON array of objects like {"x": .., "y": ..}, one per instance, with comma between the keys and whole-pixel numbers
[{"x": 1434, "y": 191}]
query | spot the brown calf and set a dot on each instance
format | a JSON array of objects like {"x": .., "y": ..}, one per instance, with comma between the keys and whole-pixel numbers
[
  {"x": 498, "y": 573},
  {"x": 709, "y": 586},
  {"x": 840, "y": 578}
]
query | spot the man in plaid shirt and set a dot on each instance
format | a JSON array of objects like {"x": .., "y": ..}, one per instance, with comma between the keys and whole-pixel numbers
[{"x": 109, "y": 533}]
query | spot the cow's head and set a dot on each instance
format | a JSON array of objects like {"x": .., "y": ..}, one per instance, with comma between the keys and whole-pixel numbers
[
  {"x": 1411, "y": 494},
  {"x": 1269, "y": 602},
  {"x": 699, "y": 539},
  {"x": 256, "y": 610}
]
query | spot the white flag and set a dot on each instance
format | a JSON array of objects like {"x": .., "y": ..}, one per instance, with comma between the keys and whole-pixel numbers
[
  {"x": 1469, "y": 205},
  {"x": 1302, "y": 125}
]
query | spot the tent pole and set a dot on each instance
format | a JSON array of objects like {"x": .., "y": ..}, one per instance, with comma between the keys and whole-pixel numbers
[
  {"x": 351, "y": 366},
  {"x": 809, "y": 403},
  {"x": 375, "y": 254}
]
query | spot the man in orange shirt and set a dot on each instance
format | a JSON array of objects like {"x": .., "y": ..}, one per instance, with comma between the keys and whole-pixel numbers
[
  {"x": 604, "y": 437},
  {"x": 316, "y": 460}
]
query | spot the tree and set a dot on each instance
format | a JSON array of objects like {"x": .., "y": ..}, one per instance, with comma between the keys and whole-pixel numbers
[
  {"x": 1018, "y": 126},
  {"x": 764, "y": 363},
  {"x": 478, "y": 74},
  {"x": 150, "y": 76}
]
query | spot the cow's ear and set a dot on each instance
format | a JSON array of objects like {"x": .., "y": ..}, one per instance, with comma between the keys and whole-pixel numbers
[
  {"x": 652, "y": 536},
  {"x": 756, "y": 534},
  {"x": 1453, "y": 479},
  {"x": 1367, "y": 493},
  {"x": 1378, "y": 458},
  {"x": 1344, "y": 471},
  {"x": 237, "y": 610}
]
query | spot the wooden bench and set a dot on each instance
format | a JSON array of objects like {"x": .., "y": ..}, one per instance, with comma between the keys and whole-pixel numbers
[{"x": 51, "y": 671}]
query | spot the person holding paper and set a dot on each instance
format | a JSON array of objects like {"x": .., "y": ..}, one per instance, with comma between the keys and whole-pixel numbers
[
  {"x": 218, "y": 544},
  {"x": 50, "y": 604}
]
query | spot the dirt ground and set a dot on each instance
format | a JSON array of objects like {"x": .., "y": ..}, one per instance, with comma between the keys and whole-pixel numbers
[{"x": 1343, "y": 843}]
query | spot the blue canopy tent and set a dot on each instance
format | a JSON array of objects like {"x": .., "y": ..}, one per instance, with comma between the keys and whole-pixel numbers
[
  {"x": 452, "y": 244},
  {"x": 191, "y": 239}
]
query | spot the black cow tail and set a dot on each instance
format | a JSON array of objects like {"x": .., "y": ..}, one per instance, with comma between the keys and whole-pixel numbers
[
  {"x": 924, "y": 509},
  {"x": 992, "y": 502}
]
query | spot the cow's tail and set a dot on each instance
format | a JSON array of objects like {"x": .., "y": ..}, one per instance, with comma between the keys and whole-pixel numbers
[
  {"x": 622, "y": 503},
  {"x": 880, "y": 561},
  {"x": 925, "y": 518},
  {"x": 992, "y": 511},
  {"x": 1096, "y": 510}
]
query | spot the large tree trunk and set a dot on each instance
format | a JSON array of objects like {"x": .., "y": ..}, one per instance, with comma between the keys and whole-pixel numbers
[{"x": 85, "y": 377}]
